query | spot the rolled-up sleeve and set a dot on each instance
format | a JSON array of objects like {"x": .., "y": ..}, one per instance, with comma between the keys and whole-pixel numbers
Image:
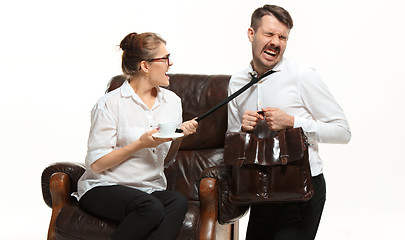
[{"x": 103, "y": 134}]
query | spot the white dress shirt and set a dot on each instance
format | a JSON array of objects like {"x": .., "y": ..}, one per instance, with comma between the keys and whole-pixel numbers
[
  {"x": 118, "y": 119},
  {"x": 299, "y": 91}
]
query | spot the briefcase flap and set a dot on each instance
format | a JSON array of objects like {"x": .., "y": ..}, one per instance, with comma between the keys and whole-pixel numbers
[{"x": 243, "y": 148}]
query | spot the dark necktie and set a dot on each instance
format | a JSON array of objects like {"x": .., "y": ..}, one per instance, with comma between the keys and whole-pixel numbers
[{"x": 254, "y": 80}]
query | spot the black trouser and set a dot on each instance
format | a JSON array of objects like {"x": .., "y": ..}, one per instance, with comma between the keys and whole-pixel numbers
[
  {"x": 288, "y": 221},
  {"x": 158, "y": 215}
]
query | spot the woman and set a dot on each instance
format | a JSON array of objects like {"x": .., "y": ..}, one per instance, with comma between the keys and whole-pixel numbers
[{"x": 124, "y": 179}]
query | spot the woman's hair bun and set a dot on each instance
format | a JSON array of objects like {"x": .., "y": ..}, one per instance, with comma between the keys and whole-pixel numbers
[
  {"x": 136, "y": 48},
  {"x": 126, "y": 43}
]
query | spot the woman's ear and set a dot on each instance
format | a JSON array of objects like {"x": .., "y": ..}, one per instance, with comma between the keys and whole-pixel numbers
[{"x": 143, "y": 66}]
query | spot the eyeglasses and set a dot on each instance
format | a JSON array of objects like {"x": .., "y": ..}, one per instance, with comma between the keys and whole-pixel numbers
[{"x": 166, "y": 58}]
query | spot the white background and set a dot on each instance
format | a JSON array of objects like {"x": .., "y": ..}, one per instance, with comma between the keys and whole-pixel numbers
[{"x": 56, "y": 58}]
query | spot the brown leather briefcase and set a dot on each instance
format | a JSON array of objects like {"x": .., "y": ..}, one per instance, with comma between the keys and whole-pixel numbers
[{"x": 270, "y": 169}]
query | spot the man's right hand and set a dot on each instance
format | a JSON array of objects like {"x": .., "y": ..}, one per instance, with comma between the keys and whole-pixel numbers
[{"x": 250, "y": 119}]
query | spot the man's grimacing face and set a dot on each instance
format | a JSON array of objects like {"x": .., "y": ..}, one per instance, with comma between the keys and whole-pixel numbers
[{"x": 269, "y": 42}]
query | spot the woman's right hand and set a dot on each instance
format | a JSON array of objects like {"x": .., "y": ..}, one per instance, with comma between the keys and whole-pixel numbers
[{"x": 148, "y": 141}]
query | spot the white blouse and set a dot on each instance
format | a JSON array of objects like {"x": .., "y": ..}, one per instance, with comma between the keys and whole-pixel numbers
[
  {"x": 118, "y": 119},
  {"x": 299, "y": 91}
]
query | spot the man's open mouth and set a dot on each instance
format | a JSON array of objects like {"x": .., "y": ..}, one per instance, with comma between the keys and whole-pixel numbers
[{"x": 271, "y": 52}]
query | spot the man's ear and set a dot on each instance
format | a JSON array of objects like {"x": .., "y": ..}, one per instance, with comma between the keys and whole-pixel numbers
[{"x": 251, "y": 33}]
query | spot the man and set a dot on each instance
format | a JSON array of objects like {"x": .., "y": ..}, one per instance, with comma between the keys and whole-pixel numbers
[{"x": 294, "y": 96}]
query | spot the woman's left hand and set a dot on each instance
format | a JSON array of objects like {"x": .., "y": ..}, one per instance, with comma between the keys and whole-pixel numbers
[{"x": 189, "y": 127}]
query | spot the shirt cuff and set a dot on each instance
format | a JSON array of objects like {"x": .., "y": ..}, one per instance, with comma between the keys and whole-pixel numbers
[{"x": 298, "y": 122}]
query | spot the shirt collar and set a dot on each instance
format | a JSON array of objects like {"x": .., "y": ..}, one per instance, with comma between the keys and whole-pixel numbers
[
  {"x": 128, "y": 91},
  {"x": 161, "y": 95},
  {"x": 279, "y": 67}
]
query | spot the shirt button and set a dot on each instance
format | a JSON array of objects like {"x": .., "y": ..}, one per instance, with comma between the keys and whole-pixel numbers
[{"x": 154, "y": 150}]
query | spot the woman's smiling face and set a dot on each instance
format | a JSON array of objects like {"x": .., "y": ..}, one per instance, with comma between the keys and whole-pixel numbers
[{"x": 160, "y": 67}]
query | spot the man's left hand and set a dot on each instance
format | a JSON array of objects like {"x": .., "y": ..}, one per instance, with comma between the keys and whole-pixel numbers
[{"x": 277, "y": 119}]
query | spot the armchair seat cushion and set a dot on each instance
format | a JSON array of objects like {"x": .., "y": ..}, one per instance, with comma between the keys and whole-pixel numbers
[
  {"x": 74, "y": 223},
  {"x": 191, "y": 221}
]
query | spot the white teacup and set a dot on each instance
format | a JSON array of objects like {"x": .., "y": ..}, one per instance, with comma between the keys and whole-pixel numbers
[{"x": 167, "y": 129}]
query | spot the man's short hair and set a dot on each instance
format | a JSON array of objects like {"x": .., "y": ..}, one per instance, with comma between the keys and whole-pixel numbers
[{"x": 272, "y": 10}]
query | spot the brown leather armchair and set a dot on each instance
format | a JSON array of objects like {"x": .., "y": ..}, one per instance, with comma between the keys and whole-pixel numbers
[{"x": 197, "y": 172}]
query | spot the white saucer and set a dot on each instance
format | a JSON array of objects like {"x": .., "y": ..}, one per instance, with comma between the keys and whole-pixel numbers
[{"x": 174, "y": 136}]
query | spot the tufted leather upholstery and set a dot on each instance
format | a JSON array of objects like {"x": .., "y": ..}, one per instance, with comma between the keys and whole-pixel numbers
[{"x": 197, "y": 173}]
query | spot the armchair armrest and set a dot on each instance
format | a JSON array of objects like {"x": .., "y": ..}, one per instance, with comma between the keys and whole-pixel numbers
[
  {"x": 58, "y": 182},
  {"x": 209, "y": 208},
  {"x": 228, "y": 213},
  {"x": 60, "y": 190},
  {"x": 73, "y": 170}
]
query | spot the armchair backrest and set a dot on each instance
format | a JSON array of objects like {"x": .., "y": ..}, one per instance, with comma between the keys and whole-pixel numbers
[
  {"x": 199, "y": 93},
  {"x": 204, "y": 149}
]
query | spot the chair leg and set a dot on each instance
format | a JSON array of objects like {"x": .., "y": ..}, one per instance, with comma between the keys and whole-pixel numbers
[
  {"x": 59, "y": 186},
  {"x": 235, "y": 231}
]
